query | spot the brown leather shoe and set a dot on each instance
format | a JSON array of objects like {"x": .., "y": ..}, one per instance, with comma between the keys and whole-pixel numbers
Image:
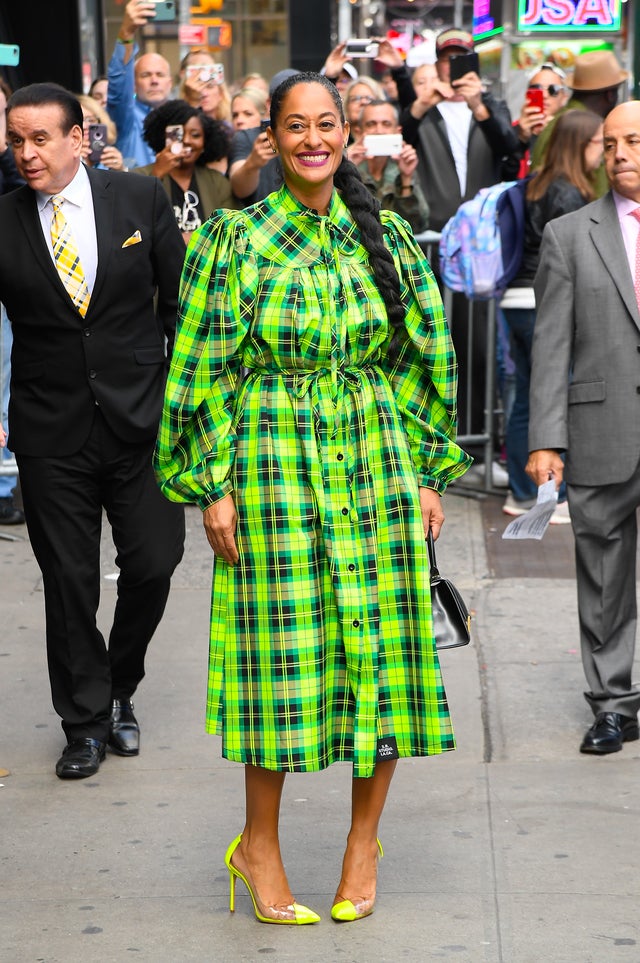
[
  {"x": 608, "y": 733},
  {"x": 124, "y": 732},
  {"x": 80, "y": 758}
]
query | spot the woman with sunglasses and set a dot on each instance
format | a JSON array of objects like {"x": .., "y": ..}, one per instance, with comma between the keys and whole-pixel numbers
[{"x": 549, "y": 80}]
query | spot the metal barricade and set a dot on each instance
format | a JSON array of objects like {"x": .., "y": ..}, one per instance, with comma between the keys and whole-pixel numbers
[
  {"x": 427, "y": 241},
  {"x": 7, "y": 461}
]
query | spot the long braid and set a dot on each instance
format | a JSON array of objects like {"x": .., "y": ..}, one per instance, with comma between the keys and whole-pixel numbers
[{"x": 364, "y": 207}]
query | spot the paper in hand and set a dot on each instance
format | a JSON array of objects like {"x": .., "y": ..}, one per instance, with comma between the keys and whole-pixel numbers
[{"x": 533, "y": 524}]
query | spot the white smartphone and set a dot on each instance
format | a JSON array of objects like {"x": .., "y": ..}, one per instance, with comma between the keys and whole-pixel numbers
[
  {"x": 382, "y": 145},
  {"x": 361, "y": 48}
]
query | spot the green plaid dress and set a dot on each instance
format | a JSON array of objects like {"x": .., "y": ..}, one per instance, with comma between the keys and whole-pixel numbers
[{"x": 280, "y": 391}]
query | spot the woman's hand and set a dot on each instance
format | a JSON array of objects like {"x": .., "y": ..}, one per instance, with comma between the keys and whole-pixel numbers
[
  {"x": 432, "y": 514},
  {"x": 220, "y": 520},
  {"x": 262, "y": 151},
  {"x": 112, "y": 159},
  {"x": 167, "y": 161}
]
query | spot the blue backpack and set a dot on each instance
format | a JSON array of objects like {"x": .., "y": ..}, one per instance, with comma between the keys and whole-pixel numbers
[{"x": 481, "y": 245}]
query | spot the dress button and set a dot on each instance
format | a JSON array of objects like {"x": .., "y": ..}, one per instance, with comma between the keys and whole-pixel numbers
[
  {"x": 356, "y": 623},
  {"x": 352, "y": 568},
  {"x": 345, "y": 511},
  {"x": 87, "y": 333},
  {"x": 340, "y": 456},
  {"x": 92, "y": 374}
]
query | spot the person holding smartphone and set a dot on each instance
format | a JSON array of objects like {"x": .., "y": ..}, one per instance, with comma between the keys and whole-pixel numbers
[
  {"x": 202, "y": 85},
  {"x": 136, "y": 85},
  {"x": 99, "y": 151},
  {"x": 186, "y": 141},
  {"x": 545, "y": 95},
  {"x": 390, "y": 177}
]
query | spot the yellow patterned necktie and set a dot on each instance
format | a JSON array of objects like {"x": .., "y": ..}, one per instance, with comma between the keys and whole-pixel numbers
[{"x": 67, "y": 258}]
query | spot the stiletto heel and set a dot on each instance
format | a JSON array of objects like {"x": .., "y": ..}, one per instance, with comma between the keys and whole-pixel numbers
[
  {"x": 346, "y": 911},
  {"x": 294, "y": 913}
]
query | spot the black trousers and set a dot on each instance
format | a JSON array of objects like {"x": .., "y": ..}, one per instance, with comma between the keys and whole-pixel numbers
[{"x": 63, "y": 501}]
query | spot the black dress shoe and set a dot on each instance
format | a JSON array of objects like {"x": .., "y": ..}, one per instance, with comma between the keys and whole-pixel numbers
[
  {"x": 9, "y": 514},
  {"x": 609, "y": 731},
  {"x": 124, "y": 734},
  {"x": 80, "y": 759}
]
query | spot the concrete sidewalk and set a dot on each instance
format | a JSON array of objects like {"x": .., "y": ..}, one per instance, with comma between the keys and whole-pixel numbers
[{"x": 513, "y": 849}]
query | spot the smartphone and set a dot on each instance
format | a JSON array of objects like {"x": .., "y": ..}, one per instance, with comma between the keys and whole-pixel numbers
[
  {"x": 165, "y": 10},
  {"x": 207, "y": 72},
  {"x": 173, "y": 137},
  {"x": 463, "y": 64},
  {"x": 535, "y": 98},
  {"x": 264, "y": 124},
  {"x": 382, "y": 145},
  {"x": 97, "y": 141},
  {"x": 361, "y": 48},
  {"x": 9, "y": 54}
]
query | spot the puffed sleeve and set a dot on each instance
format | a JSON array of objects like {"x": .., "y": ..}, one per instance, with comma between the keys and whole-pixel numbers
[
  {"x": 196, "y": 441},
  {"x": 422, "y": 369}
]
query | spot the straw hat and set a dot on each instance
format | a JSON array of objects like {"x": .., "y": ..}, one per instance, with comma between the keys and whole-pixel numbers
[{"x": 596, "y": 70}]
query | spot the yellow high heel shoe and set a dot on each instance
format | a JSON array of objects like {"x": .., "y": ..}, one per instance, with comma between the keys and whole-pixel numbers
[
  {"x": 295, "y": 913},
  {"x": 347, "y": 911}
]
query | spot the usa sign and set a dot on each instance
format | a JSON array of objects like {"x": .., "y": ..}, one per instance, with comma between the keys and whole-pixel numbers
[{"x": 569, "y": 16}]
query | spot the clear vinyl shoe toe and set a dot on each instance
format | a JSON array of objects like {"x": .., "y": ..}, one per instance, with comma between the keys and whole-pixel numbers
[
  {"x": 293, "y": 913},
  {"x": 347, "y": 911}
]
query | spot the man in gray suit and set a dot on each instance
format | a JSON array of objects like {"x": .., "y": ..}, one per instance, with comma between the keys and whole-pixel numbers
[{"x": 585, "y": 406}]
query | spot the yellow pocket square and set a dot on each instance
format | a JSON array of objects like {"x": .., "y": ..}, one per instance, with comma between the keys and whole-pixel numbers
[{"x": 134, "y": 239}]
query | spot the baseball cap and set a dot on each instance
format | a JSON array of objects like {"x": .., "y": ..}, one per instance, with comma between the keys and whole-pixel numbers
[{"x": 453, "y": 37}]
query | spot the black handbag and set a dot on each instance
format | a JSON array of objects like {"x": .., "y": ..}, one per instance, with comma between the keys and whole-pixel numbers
[{"x": 451, "y": 620}]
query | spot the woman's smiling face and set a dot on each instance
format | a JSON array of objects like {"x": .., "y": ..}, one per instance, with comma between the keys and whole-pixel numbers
[{"x": 310, "y": 138}]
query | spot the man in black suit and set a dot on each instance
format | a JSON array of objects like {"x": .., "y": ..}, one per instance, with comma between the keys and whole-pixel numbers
[{"x": 86, "y": 394}]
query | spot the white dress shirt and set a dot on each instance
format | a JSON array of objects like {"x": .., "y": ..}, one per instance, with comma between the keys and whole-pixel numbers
[{"x": 78, "y": 211}]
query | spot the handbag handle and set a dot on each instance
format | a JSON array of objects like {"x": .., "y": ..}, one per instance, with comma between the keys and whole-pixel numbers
[{"x": 431, "y": 548}]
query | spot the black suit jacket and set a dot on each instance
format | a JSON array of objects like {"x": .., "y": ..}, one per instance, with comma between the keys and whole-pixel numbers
[
  {"x": 63, "y": 364},
  {"x": 492, "y": 142}
]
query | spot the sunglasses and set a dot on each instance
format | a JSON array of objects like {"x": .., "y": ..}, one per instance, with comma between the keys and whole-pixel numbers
[{"x": 553, "y": 89}]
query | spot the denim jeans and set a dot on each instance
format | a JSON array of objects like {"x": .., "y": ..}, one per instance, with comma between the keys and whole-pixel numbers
[
  {"x": 521, "y": 322},
  {"x": 7, "y": 482}
]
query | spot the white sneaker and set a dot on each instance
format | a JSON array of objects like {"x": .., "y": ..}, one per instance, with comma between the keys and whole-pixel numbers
[
  {"x": 561, "y": 515},
  {"x": 513, "y": 507},
  {"x": 499, "y": 475}
]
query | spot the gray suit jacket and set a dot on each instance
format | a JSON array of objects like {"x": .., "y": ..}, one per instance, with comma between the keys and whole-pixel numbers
[{"x": 585, "y": 383}]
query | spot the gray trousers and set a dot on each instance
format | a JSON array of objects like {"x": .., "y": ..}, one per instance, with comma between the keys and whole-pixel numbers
[{"x": 605, "y": 529}]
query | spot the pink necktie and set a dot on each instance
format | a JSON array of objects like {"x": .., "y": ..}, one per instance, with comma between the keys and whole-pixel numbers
[{"x": 636, "y": 276}]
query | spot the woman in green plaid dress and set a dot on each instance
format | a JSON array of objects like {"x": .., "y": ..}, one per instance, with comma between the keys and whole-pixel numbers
[{"x": 310, "y": 412}]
